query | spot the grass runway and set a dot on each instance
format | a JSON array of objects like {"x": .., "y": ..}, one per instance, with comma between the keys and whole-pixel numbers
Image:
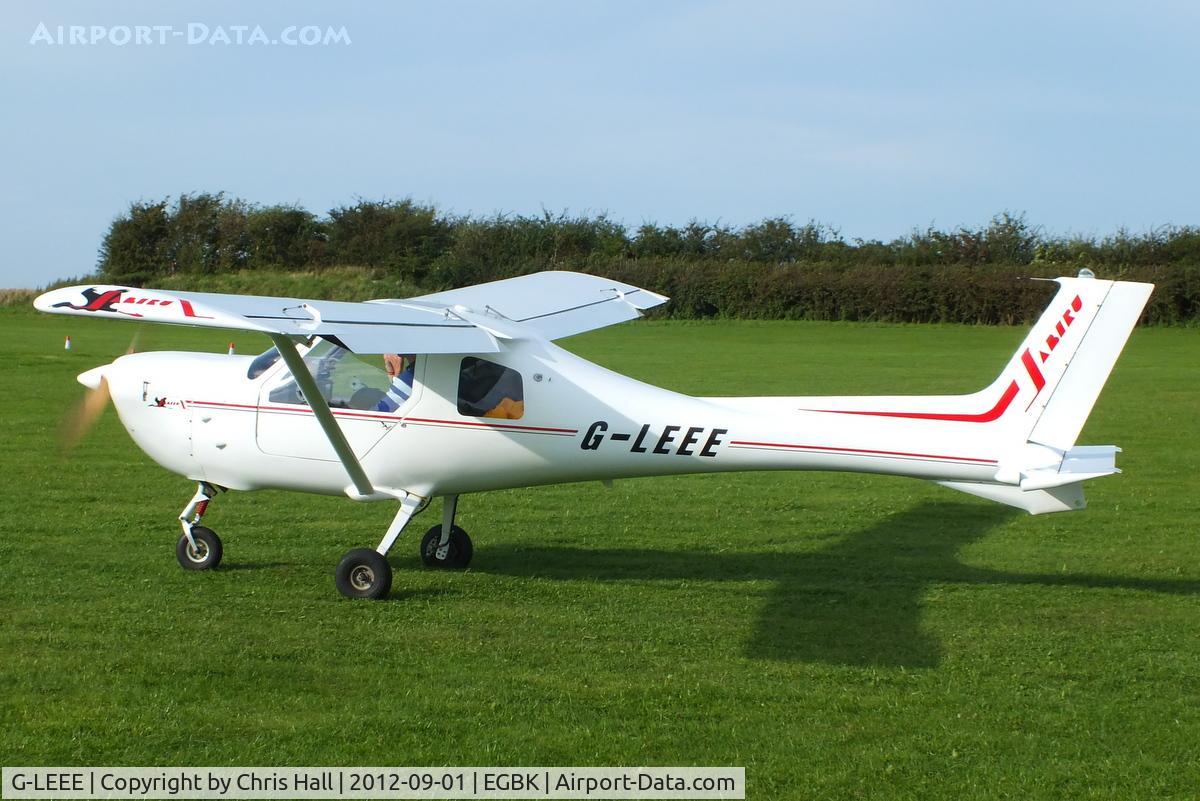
[{"x": 841, "y": 636}]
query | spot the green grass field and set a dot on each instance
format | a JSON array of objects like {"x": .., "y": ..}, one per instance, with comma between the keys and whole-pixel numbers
[{"x": 841, "y": 636}]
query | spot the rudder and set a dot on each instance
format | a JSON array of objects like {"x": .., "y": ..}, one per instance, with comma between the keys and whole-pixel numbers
[{"x": 1057, "y": 373}]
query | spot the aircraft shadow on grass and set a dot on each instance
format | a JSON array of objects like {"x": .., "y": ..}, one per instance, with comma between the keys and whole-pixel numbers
[{"x": 858, "y": 602}]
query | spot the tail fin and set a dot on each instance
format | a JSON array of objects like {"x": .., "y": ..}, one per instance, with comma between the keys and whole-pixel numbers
[
  {"x": 1034, "y": 411},
  {"x": 1057, "y": 373},
  {"x": 1049, "y": 388}
]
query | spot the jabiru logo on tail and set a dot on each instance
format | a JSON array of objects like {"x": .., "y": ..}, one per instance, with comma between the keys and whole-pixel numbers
[{"x": 1052, "y": 340}]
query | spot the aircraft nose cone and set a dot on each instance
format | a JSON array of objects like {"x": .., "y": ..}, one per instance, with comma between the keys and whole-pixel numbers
[{"x": 91, "y": 378}]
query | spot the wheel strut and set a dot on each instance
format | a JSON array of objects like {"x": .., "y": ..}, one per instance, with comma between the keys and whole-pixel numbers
[
  {"x": 193, "y": 513},
  {"x": 409, "y": 505},
  {"x": 447, "y": 546},
  {"x": 449, "y": 509},
  {"x": 199, "y": 548},
  {"x": 365, "y": 573}
]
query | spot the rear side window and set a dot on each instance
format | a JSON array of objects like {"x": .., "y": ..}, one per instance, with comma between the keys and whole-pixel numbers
[{"x": 487, "y": 389}]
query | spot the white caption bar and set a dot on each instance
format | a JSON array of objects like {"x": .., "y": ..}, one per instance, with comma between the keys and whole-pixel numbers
[{"x": 385, "y": 783}]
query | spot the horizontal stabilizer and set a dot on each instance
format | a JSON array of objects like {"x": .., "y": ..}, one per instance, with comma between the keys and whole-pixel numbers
[
  {"x": 1066, "y": 498},
  {"x": 1078, "y": 464}
]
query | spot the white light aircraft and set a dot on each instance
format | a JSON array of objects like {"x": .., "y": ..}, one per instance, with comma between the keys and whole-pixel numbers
[{"x": 478, "y": 397}]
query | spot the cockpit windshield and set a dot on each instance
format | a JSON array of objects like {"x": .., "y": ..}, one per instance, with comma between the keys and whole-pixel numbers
[{"x": 262, "y": 362}]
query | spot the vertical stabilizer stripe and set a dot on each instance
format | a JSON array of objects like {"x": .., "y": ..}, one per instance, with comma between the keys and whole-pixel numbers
[{"x": 1034, "y": 371}]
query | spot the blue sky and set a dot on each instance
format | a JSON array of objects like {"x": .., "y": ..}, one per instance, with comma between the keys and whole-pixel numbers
[{"x": 873, "y": 117}]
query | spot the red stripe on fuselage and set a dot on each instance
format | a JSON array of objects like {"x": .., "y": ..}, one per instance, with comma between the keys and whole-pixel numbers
[
  {"x": 505, "y": 426},
  {"x": 355, "y": 415},
  {"x": 991, "y": 414}
]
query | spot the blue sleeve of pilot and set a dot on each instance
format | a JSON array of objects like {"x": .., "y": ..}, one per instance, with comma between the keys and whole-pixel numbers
[{"x": 399, "y": 391}]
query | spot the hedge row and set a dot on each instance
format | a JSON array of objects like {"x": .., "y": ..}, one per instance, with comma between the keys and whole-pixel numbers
[
  {"x": 940, "y": 294},
  {"x": 771, "y": 269},
  {"x": 207, "y": 233}
]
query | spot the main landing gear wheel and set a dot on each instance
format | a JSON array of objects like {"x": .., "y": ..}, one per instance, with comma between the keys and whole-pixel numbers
[
  {"x": 205, "y": 555},
  {"x": 457, "y": 553},
  {"x": 363, "y": 573}
]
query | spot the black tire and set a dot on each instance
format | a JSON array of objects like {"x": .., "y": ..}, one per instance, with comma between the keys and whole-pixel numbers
[
  {"x": 207, "y": 553},
  {"x": 458, "y": 555},
  {"x": 363, "y": 573}
]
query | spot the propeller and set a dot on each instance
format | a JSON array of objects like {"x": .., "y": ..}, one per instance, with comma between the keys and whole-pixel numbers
[{"x": 83, "y": 417}]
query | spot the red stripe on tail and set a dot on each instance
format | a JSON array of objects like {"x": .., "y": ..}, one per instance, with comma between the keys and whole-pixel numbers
[{"x": 1034, "y": 371}]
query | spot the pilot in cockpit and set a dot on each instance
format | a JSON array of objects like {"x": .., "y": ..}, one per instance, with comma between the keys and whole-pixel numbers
[{"x": 400, "y": 370}]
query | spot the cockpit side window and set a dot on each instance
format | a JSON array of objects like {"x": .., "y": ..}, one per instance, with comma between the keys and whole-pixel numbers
[
  {"x": 487, "y": 389},
  {"x": 345, "y": 380}
]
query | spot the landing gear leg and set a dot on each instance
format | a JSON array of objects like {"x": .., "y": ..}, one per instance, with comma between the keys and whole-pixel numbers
[
  {"x": 365, "y": 573},
  {"x": 447, "y": 546},
  {"x": 199, "y": 548}
]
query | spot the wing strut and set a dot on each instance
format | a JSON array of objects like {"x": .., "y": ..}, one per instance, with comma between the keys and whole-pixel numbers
[{"x": 316, "y": 402}]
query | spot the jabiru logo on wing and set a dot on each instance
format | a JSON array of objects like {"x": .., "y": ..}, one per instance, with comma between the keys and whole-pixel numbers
[{"x": 97, "y": 301}]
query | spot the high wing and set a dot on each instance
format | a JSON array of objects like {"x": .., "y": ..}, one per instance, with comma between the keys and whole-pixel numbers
[
  {"x": 467, "y": 320},
  {"x": 554, "y": 304}
]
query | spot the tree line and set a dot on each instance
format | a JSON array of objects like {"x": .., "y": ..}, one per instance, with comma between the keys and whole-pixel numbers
[{"x": 774, "y": 268}]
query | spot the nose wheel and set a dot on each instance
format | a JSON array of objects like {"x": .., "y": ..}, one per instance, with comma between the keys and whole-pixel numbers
[
  {"x": 199, "y": 548},
  {"x": 202, "y": 552}
]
